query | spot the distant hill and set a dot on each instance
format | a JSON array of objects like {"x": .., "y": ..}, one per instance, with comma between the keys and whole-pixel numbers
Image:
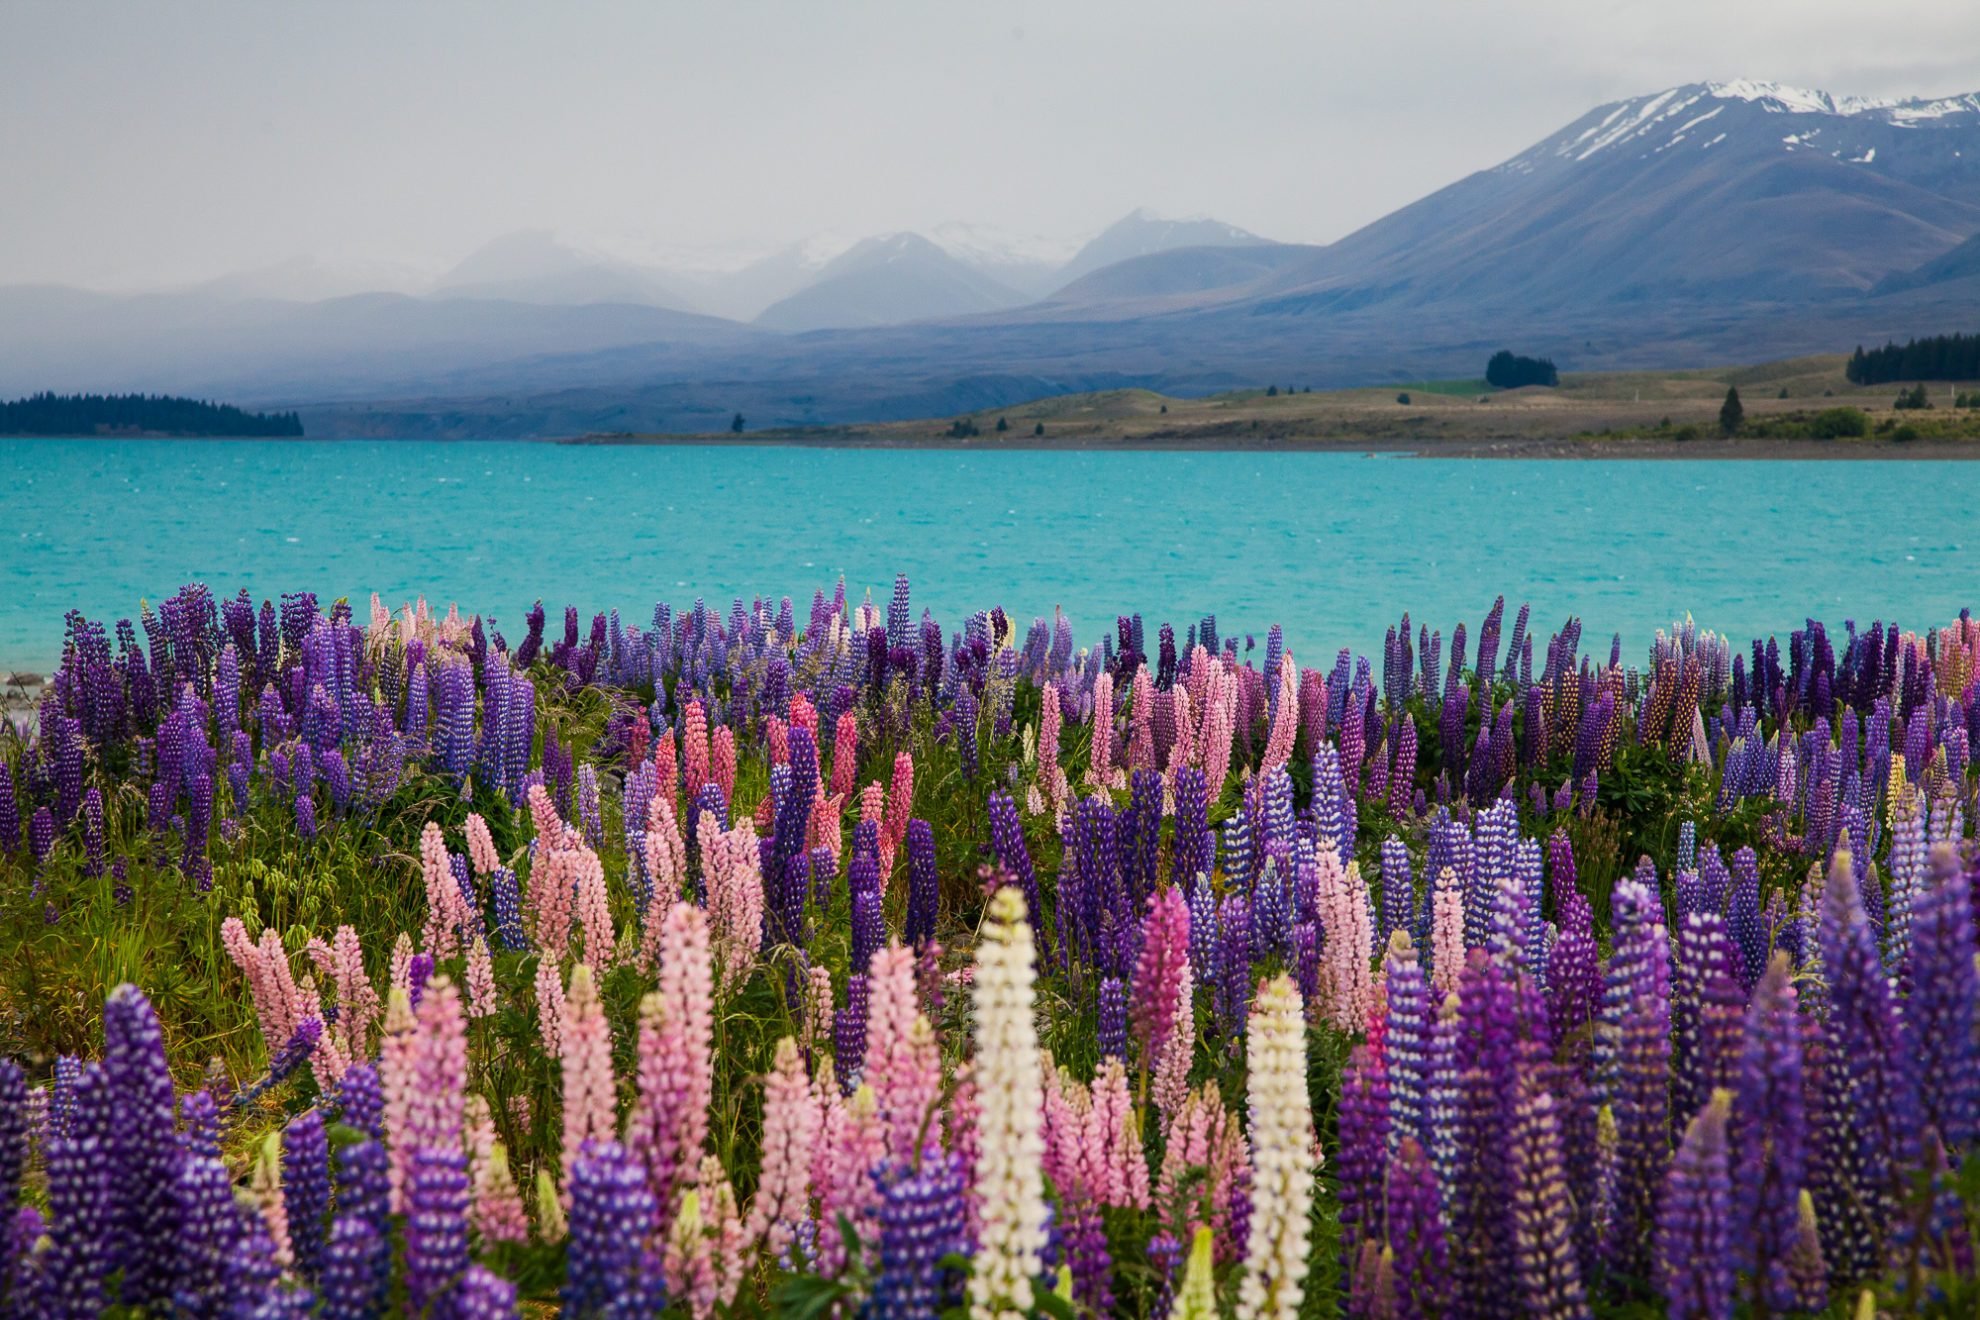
[
  {"x": 534, "y": 266},
  {"x": 1141, "y": 233},
  {"x": 137, "y": 414},
  {"x": 887, "y": 281}
]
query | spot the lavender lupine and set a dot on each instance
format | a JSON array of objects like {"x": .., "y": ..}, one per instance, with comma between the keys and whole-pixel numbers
[{"x": 1944, "y": 1007}]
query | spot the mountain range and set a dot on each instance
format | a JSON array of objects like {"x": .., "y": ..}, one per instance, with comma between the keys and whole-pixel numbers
[{"x": 1711, "y": 222}]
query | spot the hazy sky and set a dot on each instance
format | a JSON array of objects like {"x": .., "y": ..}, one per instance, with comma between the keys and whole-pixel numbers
[{"x": 145, "y": 143}]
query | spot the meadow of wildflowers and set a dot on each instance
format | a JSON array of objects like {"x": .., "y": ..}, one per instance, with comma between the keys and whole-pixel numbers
[{"x": 849, "y": 964}]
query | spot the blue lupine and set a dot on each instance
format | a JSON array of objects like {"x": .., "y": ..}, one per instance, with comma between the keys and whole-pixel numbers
[
  {"x": 1945, "y": 1001},
  {"x": 306, "y": 1189},
  {"x": 1694, "y": 1222},
  {"x": 143, "y": 1146},
  {"x": 1112, "y": 1029},
  {"x": 920, "y": 1220},
  {"x": 82, "y": 1204},
  {"x": 924, "y": 884},
  {"x": 849, "y": 1032},
  {"x": 1769, "y": 1138},
  {"x": 436, "y": 1225},
  {"x": 1632, "y": 1065}
]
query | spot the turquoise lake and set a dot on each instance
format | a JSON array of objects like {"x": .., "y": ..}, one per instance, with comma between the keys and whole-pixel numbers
[{"x": 1332, "y": 546}]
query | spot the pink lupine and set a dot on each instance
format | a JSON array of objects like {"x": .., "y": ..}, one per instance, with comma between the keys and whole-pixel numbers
[
  {"x": 481, "y": 845},
  {"x": 543, "y": 816},
  {"x": 1115, "y": 1134},
  {"x": 269, "y": 982},
  {"x": 1204, "y": 1160},
  {"x": 1446, "y": 933},
  {"x": 804, "y": 715},
  {"x": 1219, "y": 726},
  {"x": 1163, "y": 964},
  {"x": 903, "y": 1061},
  {"x": 855, "y": 1141},
  {"x": 357, "y": 1003},
  {"x": 1051, "y": 778},
  {"x": 818, "y": 1008},
  {"x": 845, "y": 755},
  {"x": 1100, "y": 757},
  {"x": 1066, "y": 1103},
  {"x": 437, "y": 1114},
  {"x": 1347, "y": 987},
  {"x": 1182, "y": 748},
  {"x": 1312, "y": 711},
  {"x": 722, "y": 762},
  {"x": 553, "y": 879},
  {"x": 497, "y": 1209},
  {"x": 675, "y": 1071},
  {"x": 399, "y": 974},
  {"x": 550, "y": 1007},
  {"x": 265, "y": 1190},
  {"x": 590, "y": 1095},
  {"x": 964, "y": 1139},
  {"x": 1285, "y": 720},
  {"x": 666, "y": 771},
  {"x": 594, "y": 908},
  {"x": 694, "y": 750},
  {"x": 666, "y": 851},
  {"x": 776, "y": 740},
  {"x": 706, "y": 1251},
  {"x": 900, "y": 808},
  {"x": 446, "y": 908},
  {"x": 398, "y": 1056},
  {"x": 482, "y": 998},
  {"x": 825, "y": 827},
  {"x": 733, "y": 866},
  {"x": 1141, "y": 721},
  {"x": 1178, "y": 1049},
  {"x": 790, "y": 1132}
]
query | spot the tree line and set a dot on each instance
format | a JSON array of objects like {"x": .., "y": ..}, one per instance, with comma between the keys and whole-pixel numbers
[
  {"x": 1941, "y": 357},
  {"x": 1508, "y": 371},
  {"x": 159, "y": 414}
]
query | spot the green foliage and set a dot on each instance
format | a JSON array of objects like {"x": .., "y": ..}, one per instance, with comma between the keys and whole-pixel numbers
[
  {"x": 1732, "y": 412},
  {"x": 157, "y": 414},
  {"x": 1941, "y": 357},
  {"x": 1508, "y": 371}
]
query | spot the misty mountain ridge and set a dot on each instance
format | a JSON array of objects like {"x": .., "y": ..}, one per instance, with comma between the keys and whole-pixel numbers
[{"x": 1703, "y": 223}]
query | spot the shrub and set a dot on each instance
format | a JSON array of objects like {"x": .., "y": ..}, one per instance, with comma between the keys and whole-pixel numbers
[
  {"x": 1508, "y": 371},
  {"x": 1839, "y": 424},
  {"x": 1402, "y": 399}
]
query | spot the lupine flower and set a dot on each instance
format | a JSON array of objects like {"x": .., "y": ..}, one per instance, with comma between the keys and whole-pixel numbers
[
  {"x": 852, "y": 1143},
  {"x": 1632, "y": 1064},
  {"x": 590, "y": 1095},
  {"x": 790, "y": 1131},
  {"x": 1694, "y": 1260},
  {"x": 306, "y": 1189},
  {"x": 1420, "y": 1265},
  {"x": 669, "y": 1123},
  {"x": 349, "y": 1285},
  {"x": 1868, "y": 1134},
  {"x": 436, "y": 1224},
  {"x": 1275, "y": 1259},
  {"x": 1549, "y": 1275},
  {"x": 1010, "y": 1199},
  {"x": 82, "y": 1204},
  {"x": 612, "y": 1214},
  {"x": 1945, "y": 999},
  {"x": 1363, "y": 1123},
  {"x": 1159, "y": 973},
  {"x": 1447, "y": 932},
  {"x": 919, "y": 1218},
  {"x": 903, "y": 1063},
  {"x": 142, "y": 1145}
]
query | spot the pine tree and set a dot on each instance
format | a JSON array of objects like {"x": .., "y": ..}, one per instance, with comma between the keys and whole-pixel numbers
[{"x": 1732, "y": 412}]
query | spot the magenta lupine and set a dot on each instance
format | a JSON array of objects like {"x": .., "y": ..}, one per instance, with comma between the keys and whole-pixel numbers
[
  {"x": 1694, "y": 1229},
  {"x": 1159, "y": 971},
  {"x": 852, "y": 1142}
]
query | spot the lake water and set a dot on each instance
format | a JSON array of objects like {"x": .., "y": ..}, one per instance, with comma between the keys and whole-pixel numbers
[{"x": 1332, "y": 546}]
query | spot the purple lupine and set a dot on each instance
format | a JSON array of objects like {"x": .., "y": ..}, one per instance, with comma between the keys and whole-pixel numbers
[
  {"x": 1868, "y": 1137},
  {"x": 93, "y": 833},
  {"x": 924, "y": 884},
  {"x": 1087, "y": 1258},
  {"x": 920, "y": 1218},
  {"x": 361, "y": 1100},
  {"x": 484, "y": 1295},
  {"x": 1694, "y": 1221},
  {"x": 1416, "y": 1234},
  {"x": 507, "y": 898},
  {"x": 1192, "y": 848},
  {"x": 1481, "y": 1236},
  {"x": 350, "y": 1271},
  {"x": 41, "y": 835},
  {"x": 1574, "y": 981},
  {"x": 1769, "y": 1135},
  {"x": 199, "y": 1118},
  {"x": 364, "y": 1188},
  {"x": 1407, "y": 1041},
  {"x": 1113, "y": 1019},
  {"x": 10, "y": 812},
  {"x": 143, "y": 1147},
  {"x": 1203, "y": 928},
  {"x": 1398, "y": 890},
  {"x": 306, "y": 1189},
  {"x": 1743, "y": 919},
  {"x": 1632, "y": 1066},
  {"x": 1233, "y": 998},
  {"x": 209, "y": 1239},
  {"x": 436, "y": 1225},
  {"x": 13, "y": 1140},
  {"x": 1944, "y": 995},
  {"x": 305, "y": 816},
  {"x": 291, "y": 1056},
  {"x": 1363, "y": 1122},
  {"x": 82, "y": 1205},
  {"x": 1708, "y": 1011},
  {"x": 849, "y": 1032},
  {"x": 1544, "y": 1260},
  {"x": 612, "y": 1212}
]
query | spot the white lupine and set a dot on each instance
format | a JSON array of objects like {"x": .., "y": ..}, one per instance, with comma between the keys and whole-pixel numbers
[
  {"x": 1282, "y": 1155},
  {"x": 1010, "y": 1091}
]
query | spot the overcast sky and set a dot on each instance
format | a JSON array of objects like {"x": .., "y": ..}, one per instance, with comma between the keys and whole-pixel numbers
[{"x": 145, "y": 143}]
